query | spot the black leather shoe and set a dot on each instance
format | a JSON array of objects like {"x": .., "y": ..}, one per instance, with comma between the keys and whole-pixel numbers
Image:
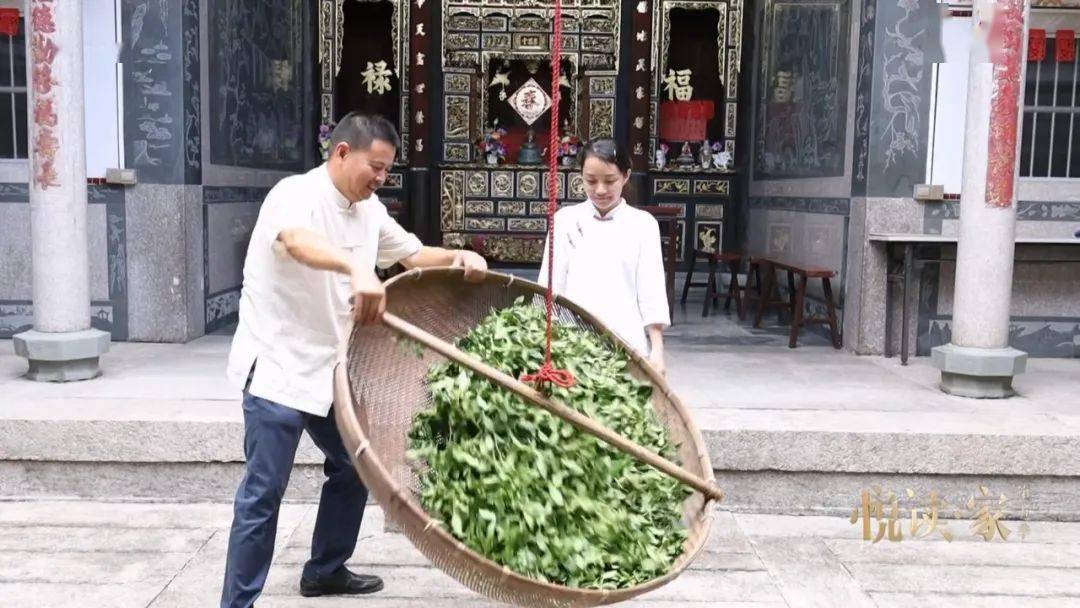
[{"x": 342, "y": 582}]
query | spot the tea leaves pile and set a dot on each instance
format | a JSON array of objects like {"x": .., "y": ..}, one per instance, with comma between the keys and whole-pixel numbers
[{"x": 526, "y": 489}]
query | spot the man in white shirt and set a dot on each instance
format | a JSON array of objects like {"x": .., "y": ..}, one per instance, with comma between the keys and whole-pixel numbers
[{"x": 312, "y": 253}]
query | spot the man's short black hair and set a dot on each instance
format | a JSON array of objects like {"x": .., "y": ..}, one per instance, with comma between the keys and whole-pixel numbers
[{"x": 359, "y": 130}]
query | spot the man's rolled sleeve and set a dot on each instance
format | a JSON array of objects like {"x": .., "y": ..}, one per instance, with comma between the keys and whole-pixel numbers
[{"x": 395, "y": 243}]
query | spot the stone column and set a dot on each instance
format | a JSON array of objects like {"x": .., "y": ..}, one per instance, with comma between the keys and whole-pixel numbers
[
  {"x": 979, "y": 362},
  {"x": 62, "y": 346}
]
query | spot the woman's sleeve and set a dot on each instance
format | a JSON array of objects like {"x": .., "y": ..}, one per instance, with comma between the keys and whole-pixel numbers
[
  {"x": 651, "y": 288},
  {"x": 562, "y": 260}
]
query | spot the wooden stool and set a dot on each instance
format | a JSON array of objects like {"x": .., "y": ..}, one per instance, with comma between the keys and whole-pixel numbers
[
  {"x": 796, "y": 295},
  {"x": 766, "y": 296},
  {"x": 712, "y": 295}
]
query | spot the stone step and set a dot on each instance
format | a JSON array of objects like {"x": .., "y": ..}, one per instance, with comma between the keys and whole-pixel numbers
[
  {"x": 789, "y": 431},
  {"x": 211, "y": 431},
  {"x": 775, "y": 492},
  {"x": 809, "y": 462}
]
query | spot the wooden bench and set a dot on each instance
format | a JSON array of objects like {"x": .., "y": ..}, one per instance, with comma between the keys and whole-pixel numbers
[
  {"x": 733, "y": 260},
  {"x": 798, "y": 276}
]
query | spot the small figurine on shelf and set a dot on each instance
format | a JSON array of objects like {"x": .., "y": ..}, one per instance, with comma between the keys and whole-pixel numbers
[
  {"x": 569, "y": 146},
  {"x": 325, "y": 130},
  {"x": 718, "y": 155},
  {"x": 530, "y": 152},
  {"x": 705, "y": 155},
  {"x": 686, "y": 156},
  {"x": 661, "y": 156},
  {"x": 491, "y": 146}
]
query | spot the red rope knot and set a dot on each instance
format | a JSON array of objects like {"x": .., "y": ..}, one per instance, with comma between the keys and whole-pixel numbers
[{"x": 549, "y": 375}]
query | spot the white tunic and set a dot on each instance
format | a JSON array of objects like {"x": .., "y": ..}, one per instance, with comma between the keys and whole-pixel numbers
[
  {"x": 292, "y": 317},
  {"x": 611, "y": 267}
]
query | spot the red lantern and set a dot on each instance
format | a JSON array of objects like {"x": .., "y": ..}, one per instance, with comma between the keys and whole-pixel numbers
[
  {"x": 9, "y": 21},
  {"x": 1065, "y": 46},
  {"x": 1036, "y": 45}
]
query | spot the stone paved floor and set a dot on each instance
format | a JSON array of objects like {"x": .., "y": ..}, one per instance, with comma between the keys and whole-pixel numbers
[
  {"x": 57, "y": 554},
  {"x": 120, "y": 555}
]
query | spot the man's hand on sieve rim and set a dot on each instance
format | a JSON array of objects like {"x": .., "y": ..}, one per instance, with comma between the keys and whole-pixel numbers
[
  {"x": 474, "y": 264},
  {"x": 368, "y": 297}
]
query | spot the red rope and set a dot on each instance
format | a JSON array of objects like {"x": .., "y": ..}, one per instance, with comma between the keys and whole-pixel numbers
[{"x": 548, "y": 374}]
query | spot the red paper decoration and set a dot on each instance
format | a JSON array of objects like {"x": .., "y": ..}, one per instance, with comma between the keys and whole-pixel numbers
[
  {"x": 9, "y": 21},
  {"x": 1065, "y": 46},
  {"x": 1036, "y": 45},
  {"x": 685, "y": 120}
]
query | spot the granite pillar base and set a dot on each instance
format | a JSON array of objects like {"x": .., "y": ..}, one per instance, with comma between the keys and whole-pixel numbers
[
  {"x": 62, "y": 356},
  {"x": 980, "y": 373}
]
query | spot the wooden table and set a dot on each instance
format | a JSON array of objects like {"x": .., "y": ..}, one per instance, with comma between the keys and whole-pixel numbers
[
  {"x": 915, "y": 252},
  {"x": 667, "y": 217}
]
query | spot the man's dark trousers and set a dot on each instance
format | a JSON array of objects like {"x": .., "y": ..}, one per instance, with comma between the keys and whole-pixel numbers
[{"x": 271, "y": 433}]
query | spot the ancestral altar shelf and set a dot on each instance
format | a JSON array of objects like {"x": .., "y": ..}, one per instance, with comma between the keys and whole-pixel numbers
[{"x": 469, "y": 81}]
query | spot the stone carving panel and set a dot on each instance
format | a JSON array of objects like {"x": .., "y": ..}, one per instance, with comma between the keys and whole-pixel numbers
[
  {"x": 485, "y": 224},
  {"x": 527, "y": 225},
  {"x": 802, "y": 95},
  {"x": 709, "y": 212},
  {"x": 256, "y": 84},
  {"x": 709, "y": 236},
  {"x": 457, "y": 117},
  {"x": 479, "y": 208},
  {"x": 458, "y": 153},
  {"x": 502, "y": 183},
  {"x": 601, "y": 118},
  {"x": 671, "y": 186},
  {"x": 577, "y": 186},
  {"x": 452, "y": 200},
  {"x": 456, "y": 83},
  {"x": 528, "y": 184},
  {"x": 712, "y": 186},
  {"x": 602, "y": 86},
  {"x": 476, "y": 184},
  {"x": 511, "y": 207}
]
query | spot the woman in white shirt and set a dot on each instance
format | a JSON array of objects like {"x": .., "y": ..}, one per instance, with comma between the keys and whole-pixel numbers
[{"x": 607, "y": 255}]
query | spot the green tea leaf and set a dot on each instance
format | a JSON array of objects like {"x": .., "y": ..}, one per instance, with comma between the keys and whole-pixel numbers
[{"x": 528, "y": 490}]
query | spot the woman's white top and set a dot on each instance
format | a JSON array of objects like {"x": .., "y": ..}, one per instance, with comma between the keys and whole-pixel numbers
[{"x": 612, "y": 267}]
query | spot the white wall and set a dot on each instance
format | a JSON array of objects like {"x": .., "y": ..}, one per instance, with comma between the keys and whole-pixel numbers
[
  {"x": 946, "y": 163},
  {"x": 101, "y": 93},
  {"x": 14, "y": 171},
  {"x": 100, "y": 55}
]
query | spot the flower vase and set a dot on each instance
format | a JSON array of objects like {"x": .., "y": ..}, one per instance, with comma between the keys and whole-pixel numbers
[
  {"x": 567, "y": 160},
  {"x": 492, "y": 158}
]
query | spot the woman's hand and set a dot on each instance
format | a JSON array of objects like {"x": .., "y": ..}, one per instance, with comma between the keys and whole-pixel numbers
[
  {"x": 656, "y": 359},
  {"x": 656, "y": 348}
]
